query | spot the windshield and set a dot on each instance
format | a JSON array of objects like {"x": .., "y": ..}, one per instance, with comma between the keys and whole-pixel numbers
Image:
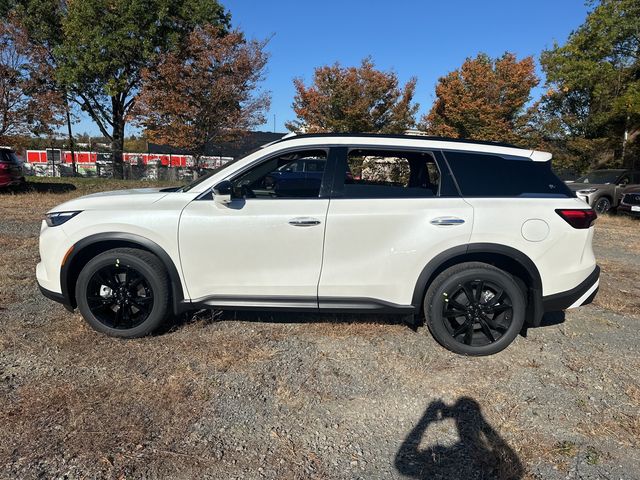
[
  {"x": 600, "y": 176},
  {"x": 206, "y": 176}
]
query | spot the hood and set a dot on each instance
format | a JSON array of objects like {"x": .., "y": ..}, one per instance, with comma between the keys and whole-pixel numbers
[
  {"x": 583, "y": 186},
  {"x": 118, "y": 199}
]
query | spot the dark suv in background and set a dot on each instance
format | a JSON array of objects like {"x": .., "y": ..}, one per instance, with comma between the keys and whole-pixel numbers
[
  {"x": 603, "y": 189},
  {"x": 630, "y": 203},
  {"x": 10, "y": 169}
]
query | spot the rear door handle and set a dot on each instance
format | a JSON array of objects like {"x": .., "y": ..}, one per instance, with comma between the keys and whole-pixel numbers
[
  {"x": 447, "y": 221},
  {"x": 304, "y": 222}
]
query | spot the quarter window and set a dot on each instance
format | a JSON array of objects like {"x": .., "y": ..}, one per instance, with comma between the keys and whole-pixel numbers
[
  {"x": 390, "y": 174},
  {"x": 481, "y": 175}
]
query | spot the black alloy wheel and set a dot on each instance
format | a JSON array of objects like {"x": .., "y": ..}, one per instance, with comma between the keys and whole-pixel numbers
[
  {"x": 477, "y": 312},
  {"x": 119, "y": 296},
  {"x": 124, "y": 292},
  {"x": 474, "y": 308}
]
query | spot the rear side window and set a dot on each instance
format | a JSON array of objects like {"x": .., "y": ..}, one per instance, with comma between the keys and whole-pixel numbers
[
  {"x": 390, "y": 174},
  {"x": 480, "y": 175}
]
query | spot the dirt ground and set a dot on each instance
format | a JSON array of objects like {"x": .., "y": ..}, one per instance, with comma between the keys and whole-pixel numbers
[{"x": 293, "y": 396}]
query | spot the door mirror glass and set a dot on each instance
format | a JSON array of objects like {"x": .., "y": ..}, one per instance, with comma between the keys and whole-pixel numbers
[{"x": 222, "y": 192}]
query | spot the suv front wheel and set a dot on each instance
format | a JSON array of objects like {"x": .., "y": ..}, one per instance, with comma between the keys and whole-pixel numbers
[
  {"x": 124, "y": 292},
  {"x": 474, "y": 309}
]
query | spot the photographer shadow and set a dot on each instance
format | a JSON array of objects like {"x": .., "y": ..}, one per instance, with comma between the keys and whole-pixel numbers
[{"x": 480, "y": 453}]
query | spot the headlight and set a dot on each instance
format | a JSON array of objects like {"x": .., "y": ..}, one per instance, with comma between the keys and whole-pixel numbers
[
  {"x": 587, "y": 191},
  {"x": 58, "y": 218}
]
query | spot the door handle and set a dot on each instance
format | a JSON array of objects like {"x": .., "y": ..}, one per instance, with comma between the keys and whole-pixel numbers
[
  {"x": 447, "y": 221},
  {"x": 304, "y": 222}
]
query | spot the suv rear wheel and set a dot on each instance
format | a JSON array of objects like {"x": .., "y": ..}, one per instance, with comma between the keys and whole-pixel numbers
[
  {"x": 124, "y": 292},
  {"x": 474, "y": 309}
]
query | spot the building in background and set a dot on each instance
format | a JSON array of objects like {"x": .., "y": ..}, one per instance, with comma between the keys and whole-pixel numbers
[{"x": 160, "y": 161}]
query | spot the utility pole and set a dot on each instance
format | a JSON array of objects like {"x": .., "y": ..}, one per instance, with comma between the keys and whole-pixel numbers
[{"x": 71, "y": 148}]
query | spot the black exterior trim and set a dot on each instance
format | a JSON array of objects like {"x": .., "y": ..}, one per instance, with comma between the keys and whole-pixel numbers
[
  {"x": 563, "y": 300},
  {"x": 440, "y": 259},
  {"x": 409, "y": 137},
  {"x": 56, "y": 297},
  {"x": 363, "y": 305},
  {"x": 303, "y": 304},
  {"x": 130, "y": 238}
]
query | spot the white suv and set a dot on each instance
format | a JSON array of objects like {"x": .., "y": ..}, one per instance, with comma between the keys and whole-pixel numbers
[{"x": 481, "y": 238}]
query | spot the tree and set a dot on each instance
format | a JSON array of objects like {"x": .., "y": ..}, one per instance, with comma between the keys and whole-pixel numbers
[
  {"x": 594, "y": 83},
  {"x": 484, "y": 99},
  {"x": 205, "y": 92},
  {"x": 102, "y": 46},
  {"x": 26, "y": 104},
  {"x": 353, "y": 99}
]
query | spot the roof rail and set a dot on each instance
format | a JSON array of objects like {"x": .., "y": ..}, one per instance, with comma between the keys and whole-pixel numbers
[{"x": 293, "y": 135}]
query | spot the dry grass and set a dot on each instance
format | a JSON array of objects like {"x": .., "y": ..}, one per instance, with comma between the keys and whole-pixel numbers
[
  {"x": 617, "y": 246},
  {"x": 132, "y": 409},
  {"x": 619, "y": 232}
]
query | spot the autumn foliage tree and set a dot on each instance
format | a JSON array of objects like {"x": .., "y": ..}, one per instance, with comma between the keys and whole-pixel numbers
[
  {"x": 484, "y": 99},
  {"x": 207, "y": 91},
  {"x": 353, "y": 99},
  {"x": 592, "y": 106},
  {"x": 27, "y": 103},
  {"x": 100, "y": 48}
]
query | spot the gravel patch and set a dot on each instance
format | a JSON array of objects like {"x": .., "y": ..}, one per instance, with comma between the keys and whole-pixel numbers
[{"x": 253, "y": 396}]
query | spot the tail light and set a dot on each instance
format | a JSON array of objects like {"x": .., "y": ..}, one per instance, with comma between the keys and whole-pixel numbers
[{"x": 578, "y": 218}]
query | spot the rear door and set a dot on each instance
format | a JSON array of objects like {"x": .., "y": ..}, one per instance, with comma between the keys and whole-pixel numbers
[{"x": 391, "y": 212}]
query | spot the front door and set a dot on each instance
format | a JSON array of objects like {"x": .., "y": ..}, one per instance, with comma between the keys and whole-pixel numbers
[{"x": 265, "y": 247}]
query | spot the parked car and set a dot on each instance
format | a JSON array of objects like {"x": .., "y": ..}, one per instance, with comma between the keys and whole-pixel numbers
[
  {"x": 10, "y": 169},
  {"x": 603, "y": 189},
  {"x": 297, "y": 178},
  {"x": 480, "y": 238},
  {"x": 630, "y": 202}
]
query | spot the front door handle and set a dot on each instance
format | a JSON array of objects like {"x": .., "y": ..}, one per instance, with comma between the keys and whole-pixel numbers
[
  {"x": 447, "y": 221},
  {"x": 304, "y": 222}
]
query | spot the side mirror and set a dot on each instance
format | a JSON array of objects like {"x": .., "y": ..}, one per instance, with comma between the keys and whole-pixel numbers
[{"x": 222, "y": 192}]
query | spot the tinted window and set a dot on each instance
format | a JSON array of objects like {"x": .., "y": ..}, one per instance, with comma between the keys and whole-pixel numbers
[
  {"x": 480, "y": 175},
  {"x": 7, "y": 156},
  {"x": 284, "y": 176},
  {"x": 624, "y": 179},
  {"x": 390, "y": 174},
  {"x": 636, "y": 178},
  {"x": 600, "y": 176}
]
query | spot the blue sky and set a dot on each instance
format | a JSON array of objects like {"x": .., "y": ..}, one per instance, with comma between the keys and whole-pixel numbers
[{"x": 425, "y": 38}]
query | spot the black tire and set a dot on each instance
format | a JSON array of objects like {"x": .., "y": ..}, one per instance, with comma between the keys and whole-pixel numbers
[
  {"x": 602, "y": 205},
  {"x": 124, "y": 292},
  {"x": 482, "y": 325}
]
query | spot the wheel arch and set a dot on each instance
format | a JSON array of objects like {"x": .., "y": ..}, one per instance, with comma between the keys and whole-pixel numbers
[
  {"x": 506, "y": 258},
  {"x": 87, "y": 248}
]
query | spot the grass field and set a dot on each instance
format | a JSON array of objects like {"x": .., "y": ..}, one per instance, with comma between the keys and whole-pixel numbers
[{"x": 241, "y": 395}]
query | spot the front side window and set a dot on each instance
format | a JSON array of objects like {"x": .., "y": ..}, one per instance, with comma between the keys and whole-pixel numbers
[
  {"x": 390, "y": 174},
  {"x": 285, "y": 176}
]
